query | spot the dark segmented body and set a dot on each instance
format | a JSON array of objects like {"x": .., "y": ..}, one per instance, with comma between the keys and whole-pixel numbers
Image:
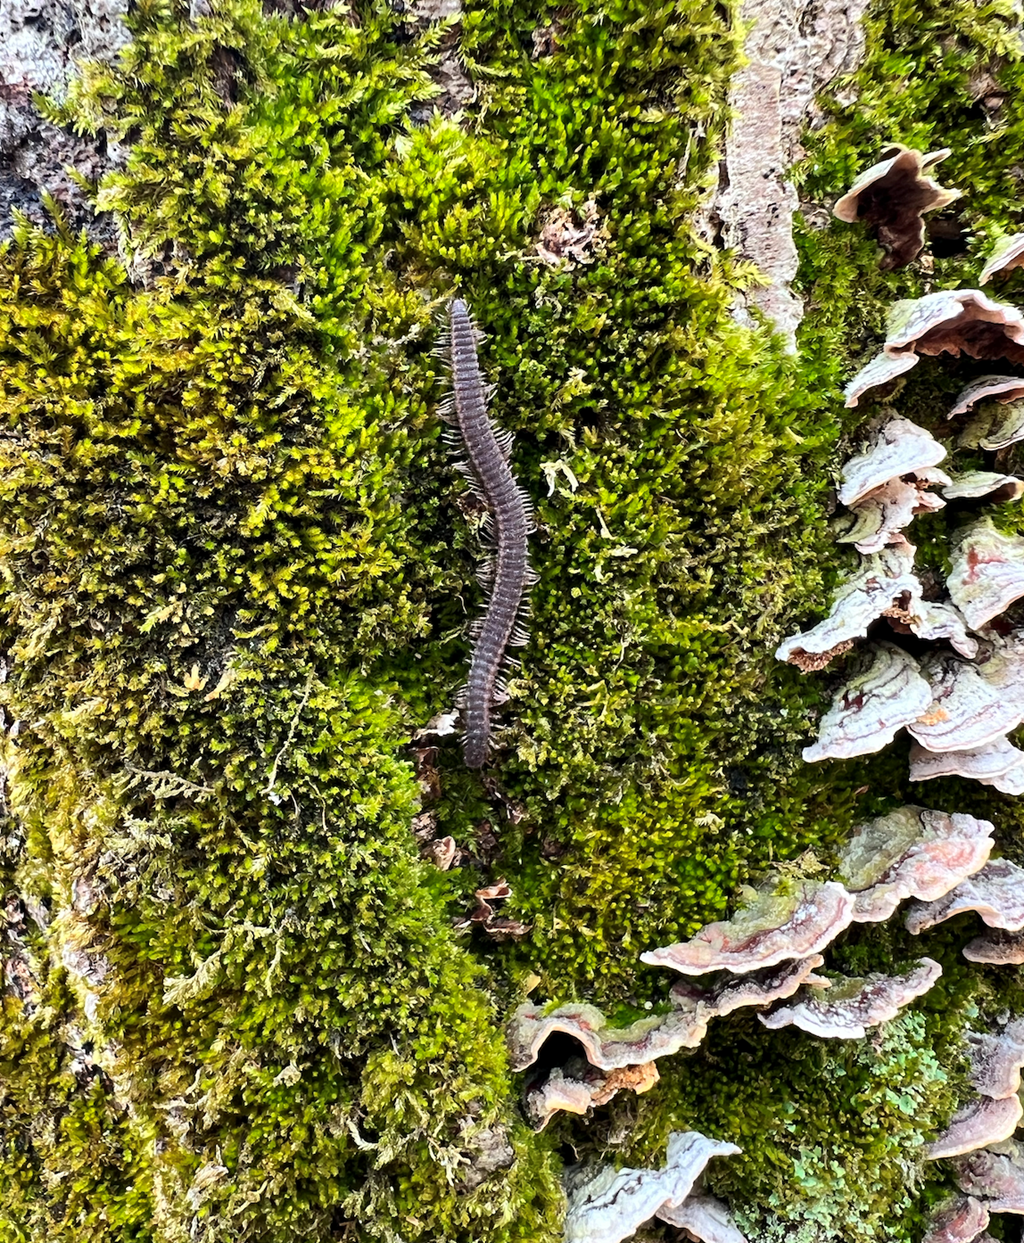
[{"x": 487, "y": 452}]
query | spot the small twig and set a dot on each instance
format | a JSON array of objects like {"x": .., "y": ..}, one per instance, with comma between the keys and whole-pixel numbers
[
  {"x": 269, "y": 788},
  {"x": 169, "y": 784}
]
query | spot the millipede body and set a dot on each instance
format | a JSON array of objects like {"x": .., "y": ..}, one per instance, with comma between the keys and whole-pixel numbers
[{"x": 487, "y": 451}]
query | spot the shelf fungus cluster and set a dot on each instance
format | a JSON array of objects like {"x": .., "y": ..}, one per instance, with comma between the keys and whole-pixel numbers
[
  {"x": 987, "y": 1162},
  {"x": 612, "y": 1204},
  {"x": 595, "y": 1062},
  {"x": 599, "y": 1060},
  {"x": 911, "y": 853},
  {"x": 767, "y": 958},
  {"x": 950, "y": 321},
  {"x": 766, "y": 955},
  {"x": 994, "y": 406},
  {"x": 960, "y": 702}
]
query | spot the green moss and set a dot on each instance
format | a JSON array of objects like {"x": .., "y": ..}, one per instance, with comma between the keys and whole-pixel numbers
[
  {"x": 237, "y": 573},
  {"x": 234, "y": 796}
]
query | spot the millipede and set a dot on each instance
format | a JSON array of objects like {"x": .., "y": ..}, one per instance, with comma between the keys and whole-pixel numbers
[{"x": 509, "y": 521}]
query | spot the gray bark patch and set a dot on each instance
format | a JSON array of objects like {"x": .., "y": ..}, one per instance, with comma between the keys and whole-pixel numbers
[
  {"x": 795, "y": 48},
  {"x": 40, "y": 43}
]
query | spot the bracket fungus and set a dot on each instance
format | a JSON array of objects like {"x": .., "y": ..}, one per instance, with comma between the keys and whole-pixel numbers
[
  {"x": 911, "y": 853},
  {"x": 613, "y": 1204},
  {"x": 899, "y": 448},
  {"x": 609, "y": 1059},
  {"x": 442, "y": 852},
  {"x": 934, "y": 619},
  {"x": 885, "y": 695},
  {"x": 994, "y": 427},
  {"x": 795, "y": 922},
  {"x": 960, "y": 1221},
  {"x": 995, "y": 892},
  {"x": 996, "y": 1060},
  {"x": 759, "y": 988},
  {"x": 977, "y": 483},
  {"x": 884, "y": 585},
  {"x": 987, "y": 572},
  {"x": 1007, "y": 254},
  {"x": 892, "y": 196},
  {"x": 998, "y": 949},
  {"x": 577, "y": 1089},
  {"x": 559, "y": 1092},
  {"x": 606, "y": 1047},
  {"x": 1002, "y": 663},
  {"x": 956, "y": 321},
  {"x": 966, "y": 712},
  {"x": 995, "y": 1175},
  {"x": 882, "y": 369},
  {"x": 1011, "y": 782},
  {"x": 702, "y": 1218},
  {"x": 878, "y": 519},
  {"x": 984, "y": 1121},
  {"x": 851, "y": 1006},
  {"x": 985, "y": 764},
  {"x": 1002, "y": 388}
]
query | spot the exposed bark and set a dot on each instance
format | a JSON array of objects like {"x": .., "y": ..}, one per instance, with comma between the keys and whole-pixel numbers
[
  {"x": 795, "y": 49},
  {"x": 40, "y": 41}
]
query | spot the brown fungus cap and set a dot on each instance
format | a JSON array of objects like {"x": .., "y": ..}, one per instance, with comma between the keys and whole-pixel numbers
[
  {"x": 792, "y": 923},
  {"x": 913, "y": 852},
  {"x": 982, "y": 1122},
  {"x": 955, "y": 321},
  {"x": 987, "y": 572},
  {"x": 995, "y": 892},
  {"x": 886, "y": 693},
  {"x": 1007, "y": 254},
  {"x": 958, "y": 1221}
]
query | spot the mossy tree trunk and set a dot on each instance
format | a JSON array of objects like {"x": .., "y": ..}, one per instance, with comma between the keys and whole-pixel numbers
[{"x": 240, "y": 1000}]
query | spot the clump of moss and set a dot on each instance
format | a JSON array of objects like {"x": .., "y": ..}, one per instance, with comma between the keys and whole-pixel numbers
[
  {"x": 279, "y": 1003},
  {"x": 859, "y": 1176},
  {"x": 632, "y": 374}
]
